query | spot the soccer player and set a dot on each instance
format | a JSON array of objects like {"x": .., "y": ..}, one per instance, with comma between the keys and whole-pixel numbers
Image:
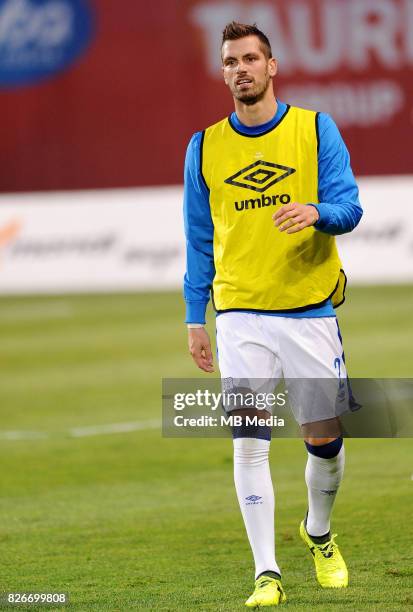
[{"x": 266, "y": 190}]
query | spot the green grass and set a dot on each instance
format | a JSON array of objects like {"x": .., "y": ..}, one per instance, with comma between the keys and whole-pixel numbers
[{"x": 136, "y": 521}]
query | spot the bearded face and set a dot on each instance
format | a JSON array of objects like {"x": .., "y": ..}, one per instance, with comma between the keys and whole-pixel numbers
[{"x": 247, "y": 70}]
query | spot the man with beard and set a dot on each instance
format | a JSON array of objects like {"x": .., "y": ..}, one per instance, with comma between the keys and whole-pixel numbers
[{"x": 266, "y": 190}]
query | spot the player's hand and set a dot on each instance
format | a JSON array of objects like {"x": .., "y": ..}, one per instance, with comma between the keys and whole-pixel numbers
[
  {"x": 200, "y": 349},
  {"x": 294, "y": 217}
]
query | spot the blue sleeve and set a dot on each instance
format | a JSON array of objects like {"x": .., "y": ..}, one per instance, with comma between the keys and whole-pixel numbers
[
  {"x": 339, "y": 206},
  {"x": 199, "y": 232}
]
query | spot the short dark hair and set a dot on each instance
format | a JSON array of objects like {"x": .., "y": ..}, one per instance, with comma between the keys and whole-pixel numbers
[{"x": 235, "y": 30}]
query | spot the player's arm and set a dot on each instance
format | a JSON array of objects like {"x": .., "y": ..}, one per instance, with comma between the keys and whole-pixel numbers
[
  {"x": 339, "y": 210},
  {"x": 200, "y": 269}
]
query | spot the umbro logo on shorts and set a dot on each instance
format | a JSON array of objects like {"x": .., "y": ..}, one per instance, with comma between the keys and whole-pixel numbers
[{"x": 259, "y": 176}]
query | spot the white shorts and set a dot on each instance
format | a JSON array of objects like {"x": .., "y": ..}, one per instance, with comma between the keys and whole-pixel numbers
[{"x": 257, "y": 351}]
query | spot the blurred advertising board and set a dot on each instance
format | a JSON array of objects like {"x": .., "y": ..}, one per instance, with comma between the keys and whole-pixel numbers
[
  {"x": 132, "y": 239},
  {"x": 120, "y": 87},
  {"x": 91, "y": 241}
]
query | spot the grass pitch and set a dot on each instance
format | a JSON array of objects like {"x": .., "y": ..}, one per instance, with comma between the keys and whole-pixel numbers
[{"x": 136, "y": 521}]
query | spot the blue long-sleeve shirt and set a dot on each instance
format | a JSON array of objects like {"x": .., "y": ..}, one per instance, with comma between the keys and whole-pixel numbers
[{"x": 339, "y": 210}]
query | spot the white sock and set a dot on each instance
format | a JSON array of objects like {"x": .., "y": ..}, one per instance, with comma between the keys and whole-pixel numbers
[
  {"x": 253, "y": 480},
  {"x": 323, "y": 477}
]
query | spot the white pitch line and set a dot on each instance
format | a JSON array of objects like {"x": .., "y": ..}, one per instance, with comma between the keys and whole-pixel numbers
[
  {"x": 23, "y": 435},
  {"x": 84, "y": 432},
  {"x": 111, "y": 428}
]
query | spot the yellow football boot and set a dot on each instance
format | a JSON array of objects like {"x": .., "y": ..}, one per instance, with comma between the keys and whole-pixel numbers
[
  {"x": 330, "y": 566},
  {"x": 268, "y": 592}
]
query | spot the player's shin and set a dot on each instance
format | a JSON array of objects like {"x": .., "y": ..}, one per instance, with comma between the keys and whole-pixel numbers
[
  {"x": 256, "y": 498},
  {"x": 323, "y": 474}
]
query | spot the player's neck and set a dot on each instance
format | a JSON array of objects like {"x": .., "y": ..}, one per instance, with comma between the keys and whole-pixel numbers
[{"x": 258, "y": 113}]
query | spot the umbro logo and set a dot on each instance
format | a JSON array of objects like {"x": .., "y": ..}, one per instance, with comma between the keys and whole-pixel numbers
[
  {"x": 259, "y": 176},
  {"x": 253, "y": 498}
]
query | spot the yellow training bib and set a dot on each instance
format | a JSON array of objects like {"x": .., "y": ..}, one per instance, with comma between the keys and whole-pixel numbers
[{"x": 249, "y": 178}]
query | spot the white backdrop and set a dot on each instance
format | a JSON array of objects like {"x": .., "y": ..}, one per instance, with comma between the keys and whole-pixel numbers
[{"x": 132, "y": 239}]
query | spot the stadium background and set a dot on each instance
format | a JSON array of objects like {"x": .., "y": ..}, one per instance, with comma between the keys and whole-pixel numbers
[{"x": 98, "y": 102}]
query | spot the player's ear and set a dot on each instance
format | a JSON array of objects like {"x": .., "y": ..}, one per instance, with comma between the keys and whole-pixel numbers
[{"x": 272, "y": 67}]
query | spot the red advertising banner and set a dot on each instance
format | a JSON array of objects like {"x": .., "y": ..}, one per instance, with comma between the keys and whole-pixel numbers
[{"x": 131, "y": 82}]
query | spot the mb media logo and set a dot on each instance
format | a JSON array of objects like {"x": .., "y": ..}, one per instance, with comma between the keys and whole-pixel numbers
[{"x": 261, "y": 178}]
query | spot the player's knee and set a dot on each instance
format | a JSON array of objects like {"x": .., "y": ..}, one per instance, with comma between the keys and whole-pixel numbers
[
  {"x": 318, "y": 441},
  {"x": 326, "y": 448},
  {"x": 250, "y": 426}
]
